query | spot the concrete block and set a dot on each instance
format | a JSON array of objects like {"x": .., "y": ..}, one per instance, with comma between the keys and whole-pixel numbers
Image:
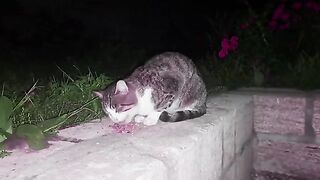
[
  {"x": 244, "y": 125},
  {"x": 288, "y": 158},
  {"x": 188, "y": 150},
  {"x": 244, "y": 163},
  {"x": 241, "y": 167},
  {"x": 316, "y": 116},
  {"x": 279, "y": 114},
  {"x": 239, "y": 129},
  {"x": 229, "y": 143},
  {"x": 105, "y": 157},
  {"x": 230, "y": 173}
]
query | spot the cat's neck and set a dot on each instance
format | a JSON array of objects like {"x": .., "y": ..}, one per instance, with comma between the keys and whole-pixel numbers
[{"x": 134, "y": 83}]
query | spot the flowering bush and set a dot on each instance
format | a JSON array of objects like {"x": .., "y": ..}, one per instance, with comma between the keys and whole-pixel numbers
[
  {"x": 273, "y": 40},
  {"x": 228, "y": 46},
  {"x": 284, "y": 15}
]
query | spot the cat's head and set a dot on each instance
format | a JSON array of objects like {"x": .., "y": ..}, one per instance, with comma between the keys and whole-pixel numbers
[{"x": 118, "y": 100}]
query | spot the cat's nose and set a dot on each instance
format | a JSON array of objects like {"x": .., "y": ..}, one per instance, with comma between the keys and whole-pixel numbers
[{"x": 113, "y": 118}]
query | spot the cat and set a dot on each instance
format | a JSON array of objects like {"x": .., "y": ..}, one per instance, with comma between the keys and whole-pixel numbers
[{"x": 168, "y": 88}]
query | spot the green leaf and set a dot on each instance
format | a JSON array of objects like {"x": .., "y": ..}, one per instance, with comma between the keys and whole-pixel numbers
[
  {"x": 4, "y": 153},
  {"x": 2, "y": 138},
  {"x": 6, "y": 109},
  {"x": 4, "y": 135},
  {"x": 96, "y": 105},
  {"x": 33, "y": 134},
  {"x": 53, "y": 123},
  {"x": 2, "y": 148}
]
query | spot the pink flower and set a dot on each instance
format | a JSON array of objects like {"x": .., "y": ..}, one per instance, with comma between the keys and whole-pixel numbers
[
  {"x": 225, "y": 43},
  {"x": 234, "y": 39},
  {"x": 273, "y": 24},
  {"x": 278, "y": 12},
  {"x": 297, "y": 6},
  {"x": 284, "y": 26},
  {"x": 223, "y": 53},
  {"x": 234, "y": 42},
  {"x": 244, "y": 26},
  {"x": 310, "y": 5},
  {"x": 285, "y": 16},
  {"x": 314, "y": 6}
]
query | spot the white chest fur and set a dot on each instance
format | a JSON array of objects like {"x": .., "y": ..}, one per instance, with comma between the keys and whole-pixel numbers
[
  {"x": 145, "y": 105},
  {"x": 143, "y": 112},
  {"x": 146, "y": 112}
]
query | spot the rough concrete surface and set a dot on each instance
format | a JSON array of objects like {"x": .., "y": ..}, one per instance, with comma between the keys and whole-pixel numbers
[
  {"x": 186, "y": 150},
  {"x": 293, "y": 159},
  {"x": 279, "y": 115}
]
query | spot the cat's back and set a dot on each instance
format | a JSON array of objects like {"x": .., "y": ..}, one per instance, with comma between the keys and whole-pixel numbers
[
  {"x": 166, "y": 66},
  {"x": 171, "y": 61}
]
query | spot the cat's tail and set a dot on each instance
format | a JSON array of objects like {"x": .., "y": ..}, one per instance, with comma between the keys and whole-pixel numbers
[{"x": 182, "y": 115}]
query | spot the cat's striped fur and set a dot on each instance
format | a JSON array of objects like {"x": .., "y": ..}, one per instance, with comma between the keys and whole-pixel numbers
[{"x": 167, "y": 88}]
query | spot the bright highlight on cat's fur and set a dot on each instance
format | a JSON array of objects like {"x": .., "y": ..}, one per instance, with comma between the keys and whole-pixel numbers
[{"x": 167, "y": 88}]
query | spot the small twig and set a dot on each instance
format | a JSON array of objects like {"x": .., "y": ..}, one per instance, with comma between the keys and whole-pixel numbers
[
  {"x": 2, "y": 92},
  {"x": 64, "y": 73},
  {"x": 81, "y": 107},
  {"x": 60, "y": 111},
  {"x": 76, "y": 68},
  {"x": 72, "y": 113},
  {"x": 25, "y": 97}
]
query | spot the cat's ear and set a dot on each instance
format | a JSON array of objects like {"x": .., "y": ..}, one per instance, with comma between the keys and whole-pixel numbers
[
  {"x": 121, "y": 87},
  {"x": 98, "y": 94}
]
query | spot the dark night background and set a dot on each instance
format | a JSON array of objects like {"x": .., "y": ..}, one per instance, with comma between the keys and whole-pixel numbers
[
  {"x": 48, "y": 31},
  {"x": 115, "y": 36},
  {"x": 69, "y": 26},
  {"x": 39, "y": 26}
]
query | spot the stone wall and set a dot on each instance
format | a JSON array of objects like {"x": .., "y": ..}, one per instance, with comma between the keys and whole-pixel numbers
[
  {"x": 212, "y": 147},
  {"x": 258, "y": 134},
  {"x": 287, "y": 127}
]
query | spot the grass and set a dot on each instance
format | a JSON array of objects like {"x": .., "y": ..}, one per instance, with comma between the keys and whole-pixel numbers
[
  {"x": 61, "y": 97},
  {"x": 43, "y": 110}
]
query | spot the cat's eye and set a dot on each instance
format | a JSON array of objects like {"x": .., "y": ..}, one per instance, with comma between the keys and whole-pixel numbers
[{"x": 125, "y": 105}]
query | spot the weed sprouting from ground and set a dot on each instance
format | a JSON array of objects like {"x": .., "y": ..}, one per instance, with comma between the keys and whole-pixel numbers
[
  {"x": 61, "y": 97},
  {"x": 42, "y": 112}
]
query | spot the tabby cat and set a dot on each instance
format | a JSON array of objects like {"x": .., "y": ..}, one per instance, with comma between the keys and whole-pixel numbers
[{"x": 167, "y": 88}]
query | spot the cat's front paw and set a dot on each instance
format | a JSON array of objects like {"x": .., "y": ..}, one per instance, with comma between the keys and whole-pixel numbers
[
  {"x": 139, "y": 119},
  {"x": 152, "y": 119}
]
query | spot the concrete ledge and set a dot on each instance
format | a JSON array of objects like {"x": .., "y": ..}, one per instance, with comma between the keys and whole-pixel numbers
[
  {"x": 287, "y": 126},
  {"x": 214, "y": 146},
  {"x": 289, "y": 158}
]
